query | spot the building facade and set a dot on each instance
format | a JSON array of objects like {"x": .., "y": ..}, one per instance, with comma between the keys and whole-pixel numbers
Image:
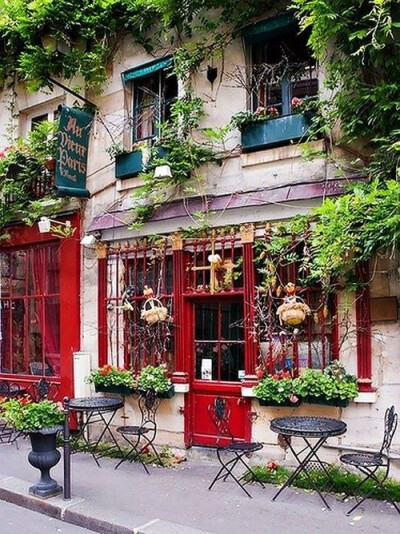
[{"x": 67, "y": 308}]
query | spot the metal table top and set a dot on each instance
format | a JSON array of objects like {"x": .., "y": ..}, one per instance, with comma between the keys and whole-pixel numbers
[
  {"x": 308, "y": 427},
  {"x": 100, "y": 404}
]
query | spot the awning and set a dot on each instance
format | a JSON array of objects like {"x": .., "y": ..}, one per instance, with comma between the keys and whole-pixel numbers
[{"x": 147, "y": 68}]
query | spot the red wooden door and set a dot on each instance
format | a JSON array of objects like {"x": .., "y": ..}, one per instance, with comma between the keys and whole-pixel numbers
[{"x": 216, "y": 347}]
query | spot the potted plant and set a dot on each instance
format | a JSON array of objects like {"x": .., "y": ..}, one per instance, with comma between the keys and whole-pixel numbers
[
  {"x": 277, "y": 390},
  {"x": 42, "y": 421},
  {"x": 112, "y": 379},
  {"x": 156, "y": 378},
  {"x": 332, "y": 386}
]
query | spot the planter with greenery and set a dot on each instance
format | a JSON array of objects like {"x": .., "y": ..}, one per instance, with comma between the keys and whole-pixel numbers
[
  {"x": 333, "y": 386},
  {"x": 112, "y": 379},
  {"x": 277, "y": 390},
  {"x": 156, "y": 378},
  {"x": 42, "y": 421}
]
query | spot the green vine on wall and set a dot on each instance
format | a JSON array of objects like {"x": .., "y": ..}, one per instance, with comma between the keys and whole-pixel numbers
[{"x": 22, "y": 168}]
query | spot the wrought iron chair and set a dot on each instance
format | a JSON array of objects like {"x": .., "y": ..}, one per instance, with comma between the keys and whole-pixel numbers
[
  {"x": 9, "y": 391},
  {"x": 44, "y": 389},
  {"x": 140, "y": 438},
  {"x": 370, "y": 462},
  {"x": 227, "y": 445}
]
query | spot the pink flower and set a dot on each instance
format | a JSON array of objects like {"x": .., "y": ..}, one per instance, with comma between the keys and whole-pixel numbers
[
  {"x": 3, "y": 151},
  {"x": 260, "y": 111},
  {"x": 297, "y": 102},
  {"x": 271, "y": 110}
]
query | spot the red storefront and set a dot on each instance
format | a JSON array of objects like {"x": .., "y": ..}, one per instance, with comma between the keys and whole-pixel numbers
[{"x": 40, "y": 306}]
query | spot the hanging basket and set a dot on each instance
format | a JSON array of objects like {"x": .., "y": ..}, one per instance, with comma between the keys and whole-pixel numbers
[
  {"x": 153, "y": 311},
  {"x": 293, "y": 313}
]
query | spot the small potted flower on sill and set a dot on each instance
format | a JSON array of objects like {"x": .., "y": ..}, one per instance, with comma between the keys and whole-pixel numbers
[
  {"x": 42, "y": 421},
  {"x": 156, "y": 378},
  {"x": 112, "y": 379},
  {"x": 277, "y": 390}
]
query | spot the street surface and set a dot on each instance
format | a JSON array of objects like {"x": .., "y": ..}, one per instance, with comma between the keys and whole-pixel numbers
[{"x": 14, "y": 519}]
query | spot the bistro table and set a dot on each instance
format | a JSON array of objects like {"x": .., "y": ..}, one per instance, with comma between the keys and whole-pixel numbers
[
  {"x": 319, "y": 428},
  {"x": 90, "y": 410}
]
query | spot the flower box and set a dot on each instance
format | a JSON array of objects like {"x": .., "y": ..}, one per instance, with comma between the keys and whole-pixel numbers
[
  {"x": 270, "y": 402},
  {"x": 167, "y": 394},
  {"x": 164, "y": 395},
  {"x": 327, "y": 402},
  {"x": 121, "y": 390},
  {"x": 274, "y": 132},
  {"x": 131, "y": 164}
]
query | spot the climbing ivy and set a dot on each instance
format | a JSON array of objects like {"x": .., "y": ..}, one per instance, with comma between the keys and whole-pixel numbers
[{"x": 359, "y": 43}]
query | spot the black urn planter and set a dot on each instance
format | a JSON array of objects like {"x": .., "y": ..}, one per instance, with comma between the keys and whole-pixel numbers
[{"x": 45, "y": 455}]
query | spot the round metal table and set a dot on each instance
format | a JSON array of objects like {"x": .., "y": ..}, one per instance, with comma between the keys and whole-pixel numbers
[
  {"x": 91, "y": 410},
  {"x": 307, "y": 428}
]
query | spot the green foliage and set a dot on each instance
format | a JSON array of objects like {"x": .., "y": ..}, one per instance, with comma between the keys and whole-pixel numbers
[
  {"x": 154, "y": 377},
  {"x": 314, "y": 383},
  {"x": 183, "y": 153},
  {"x": 276, "y": 388},
  {"x": 23, "y": 414},
  {"x": 362, "y": 69},
  {"x": 20, "y": 167},
  {"x": 335, "y": 480},
  {"x": 109, "y": 375}
]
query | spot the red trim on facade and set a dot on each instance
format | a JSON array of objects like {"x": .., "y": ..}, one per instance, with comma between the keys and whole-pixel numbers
[
  {"x": 70, "y": 330},
  {"x": 363, "y": 318},
  {"x": 249, "y": 308},
  {"x": 102, "y": 311},
  {"x": 181, "y": 363}
]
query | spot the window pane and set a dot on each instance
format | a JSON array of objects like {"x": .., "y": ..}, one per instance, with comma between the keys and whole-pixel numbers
[{"x": 30, "y": 310}]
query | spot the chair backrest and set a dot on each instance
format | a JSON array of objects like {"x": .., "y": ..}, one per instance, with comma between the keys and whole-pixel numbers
[
  {"x": 8, "y": 389},
  {"x": 390, "y": 429},
  {"x": 220, "y": 411},
  {"x": 44, "y": 389},
  {"x": 148, "y": 406},
  {"x": 36, "y": 368}
]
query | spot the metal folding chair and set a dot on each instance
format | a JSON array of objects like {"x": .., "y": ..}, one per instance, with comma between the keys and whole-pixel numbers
[
  {"x": 44, "y": 389},
  {"x": 9, "y": 391},
  {"x": 231, "y": 451},
  {"x": 140, "y": 438},
  {"x": 369, "y": 463}
]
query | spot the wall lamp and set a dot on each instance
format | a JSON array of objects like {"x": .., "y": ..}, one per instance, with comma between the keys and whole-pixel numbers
[
  {"x": 89, "y": 240},
  {"x": 45, "y": 224}
]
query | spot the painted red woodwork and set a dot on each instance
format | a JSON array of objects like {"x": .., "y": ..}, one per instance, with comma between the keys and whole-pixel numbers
[
  {"x": 21, "y": 235},
  {"x": 204, "y": 431},
  {"x": 249, "y": 284},
  {"x": 102, "y": 311},
  {"x": 177, "y": 290},
  {"x": 363, "y": 318}
]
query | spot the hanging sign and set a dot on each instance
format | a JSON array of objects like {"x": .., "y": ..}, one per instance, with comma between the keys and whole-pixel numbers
[{"x": 72, "y": 149}]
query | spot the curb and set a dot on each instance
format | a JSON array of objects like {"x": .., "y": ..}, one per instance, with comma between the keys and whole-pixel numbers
[{"x": 16, "y": 491}]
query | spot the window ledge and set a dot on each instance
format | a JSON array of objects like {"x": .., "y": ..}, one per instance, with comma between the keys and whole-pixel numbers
[
  {"x": 278, "y": 154},
  {"x": 366, "y": 397}
]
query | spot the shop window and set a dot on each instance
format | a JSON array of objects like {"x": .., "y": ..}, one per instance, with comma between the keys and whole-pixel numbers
[
  {"x": 30, "y": 310},
  {"x": 135, "y": 276},
  {"x": 219, "y": 341}
]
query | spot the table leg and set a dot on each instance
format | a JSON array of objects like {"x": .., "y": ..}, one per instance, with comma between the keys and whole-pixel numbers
[{"x": 312, "y": 453}]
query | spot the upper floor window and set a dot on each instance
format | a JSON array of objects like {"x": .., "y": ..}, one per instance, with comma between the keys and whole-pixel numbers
[
  {"x": 283, "y": 71},
  {"x": 31, "y": 118},
  {"x": 154, "y": 89}
]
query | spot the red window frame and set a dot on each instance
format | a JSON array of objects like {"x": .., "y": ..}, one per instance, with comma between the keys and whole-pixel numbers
[{"x": 69, "y": 250}]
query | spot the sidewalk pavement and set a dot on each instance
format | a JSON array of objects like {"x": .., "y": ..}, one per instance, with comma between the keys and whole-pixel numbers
[{"x": 177, "y": 501}]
